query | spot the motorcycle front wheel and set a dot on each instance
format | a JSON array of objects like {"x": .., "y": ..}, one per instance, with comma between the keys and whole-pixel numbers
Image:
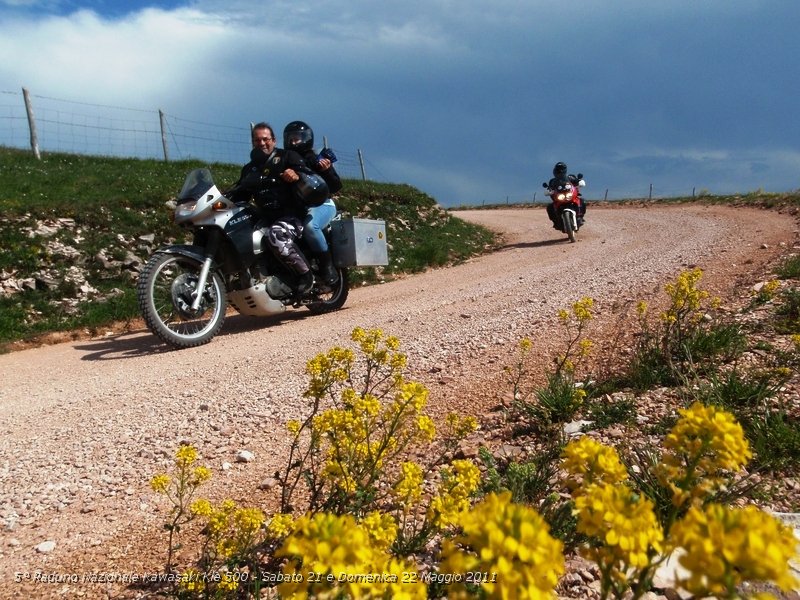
[
  {"x": 333, "y": 299},
  {"x": 569, "y": 228},
  {"x": 166, "y": 291}
]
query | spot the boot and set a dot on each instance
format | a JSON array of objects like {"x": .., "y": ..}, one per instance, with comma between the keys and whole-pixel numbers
[
  {"x": 328, "y": 272},
  {"x": 305, "y": 282}
]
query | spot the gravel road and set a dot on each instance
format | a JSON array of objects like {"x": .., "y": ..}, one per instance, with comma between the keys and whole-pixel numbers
[{"x": 84, "y": 425}]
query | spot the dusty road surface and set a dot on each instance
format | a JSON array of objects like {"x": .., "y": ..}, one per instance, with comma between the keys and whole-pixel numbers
[{"x": 84, "y": 425}]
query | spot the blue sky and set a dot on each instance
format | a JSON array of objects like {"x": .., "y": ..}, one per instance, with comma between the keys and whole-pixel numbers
[{"x": 471, "y": 101}]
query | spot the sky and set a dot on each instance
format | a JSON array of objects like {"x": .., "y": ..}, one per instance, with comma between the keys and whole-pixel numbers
[{"x": 471, "y": 101}]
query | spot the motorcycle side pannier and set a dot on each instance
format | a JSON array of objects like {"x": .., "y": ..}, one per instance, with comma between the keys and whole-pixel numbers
[{"x": 359, "y": 243}]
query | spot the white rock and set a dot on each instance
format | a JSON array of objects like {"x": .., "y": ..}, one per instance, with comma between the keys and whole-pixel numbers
[
  {"x": 46, "y": 547},
  {"x": 245, "y": 456}
]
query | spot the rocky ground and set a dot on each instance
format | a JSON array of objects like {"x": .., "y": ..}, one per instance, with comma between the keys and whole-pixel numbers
[{"x": 86, "y": 423}]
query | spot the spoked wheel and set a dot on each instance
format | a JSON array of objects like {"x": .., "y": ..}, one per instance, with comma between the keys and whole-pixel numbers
[
  {"x": 166, "y": 291},
  {"x": 333, "y": 299}
]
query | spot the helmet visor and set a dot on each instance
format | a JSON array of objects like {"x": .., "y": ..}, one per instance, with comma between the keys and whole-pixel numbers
[{"x": 298, "y": 139}]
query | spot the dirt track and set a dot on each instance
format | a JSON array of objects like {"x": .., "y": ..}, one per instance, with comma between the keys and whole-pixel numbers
[{"x": 84, "y": 425}]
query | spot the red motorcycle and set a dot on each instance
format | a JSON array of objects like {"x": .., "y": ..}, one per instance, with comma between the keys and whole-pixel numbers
[{"x": 567, "y": 208}]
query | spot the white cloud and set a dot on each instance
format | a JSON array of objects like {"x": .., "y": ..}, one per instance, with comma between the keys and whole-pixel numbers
[{"x": 82, "y": 56}]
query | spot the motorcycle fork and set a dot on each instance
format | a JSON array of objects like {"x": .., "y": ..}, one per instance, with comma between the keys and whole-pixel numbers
[
  {"x": 570, "y": 214},
  {"x": 212, "y": 244}
]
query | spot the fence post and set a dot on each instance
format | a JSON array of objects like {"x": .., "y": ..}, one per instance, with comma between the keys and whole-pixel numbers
[
  {"x": 163, "y": 120},
  {"x": 31, "y": 124},
  {"x": 361, "y": 162},
  {"x": 651, "y": 192}
]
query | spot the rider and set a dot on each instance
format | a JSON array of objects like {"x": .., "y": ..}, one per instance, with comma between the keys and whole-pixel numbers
[
  {"x": 560, "y": 177},
  {"x": 268, "y": 179},
  {"x": 299, "y": 136}
]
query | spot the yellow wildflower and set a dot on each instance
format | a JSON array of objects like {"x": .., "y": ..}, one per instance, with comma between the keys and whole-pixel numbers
[
  {"x": 705, "y": 442},
  {"x": 624, "y": 524},
  {"x": 160, "y": 483},
  {"x": 589, "y": 461},
  {"x": 191, "y": 580},
  {"x": 200, "y": 475},
  {"x": 509, "y": 542},
  {"x": 280, "y": 525},
  {"x": 185, "y": 456},
  {"x": 726, "y": 546},
  {"x": 409, "y": 488}
]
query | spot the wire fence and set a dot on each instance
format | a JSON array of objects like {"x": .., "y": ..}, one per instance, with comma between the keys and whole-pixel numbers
[{"x": 58, "y": 125}]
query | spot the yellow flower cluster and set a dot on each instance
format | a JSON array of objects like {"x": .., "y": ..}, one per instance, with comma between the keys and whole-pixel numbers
[
  {"x": 768, "y": 290},
  {"x": 185, "y": 456},
  {"x": 703, "y": 443},
  {"x": 187, "y": 478},
  {"x": 460, "y": 427},
  {"x": 160, "y": 483},
  {"x": 581, "y": 312},
  {"x": 796, "y": 341},
  {"x": 231, "y": 530},
  {"x": 509, "y": 542},
  {"x": 280, "y": 525},
  {"x": 381, "y": 528},
  {"x": 458, "y": 484},
  {"x": 588, "y": 462},
  {"x": 582, "y": 309},
  {"x": 346, "y": 559},
  {"x": 684, "y": 296},
  {"x": 326, "y": 369},
  {"x": 624, "y": 524},
  {"x": 363, "y": 434},
  {"x": 726, "y": 546},
  {"x": 192, "y": 580},
  {"x": 409, "y": 489}
]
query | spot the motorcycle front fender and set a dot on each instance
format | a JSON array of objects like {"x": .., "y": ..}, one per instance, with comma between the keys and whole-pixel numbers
[{"x": 195, "y": 252}]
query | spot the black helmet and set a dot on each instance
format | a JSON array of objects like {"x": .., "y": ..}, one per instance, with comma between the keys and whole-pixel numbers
[
  {"x": 560, "y": 170},
  {"x": 298, "y": 136}
]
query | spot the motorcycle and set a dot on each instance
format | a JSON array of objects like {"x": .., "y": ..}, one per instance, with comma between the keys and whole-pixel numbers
[
  {"x": 567, "y": 204},
  {"x": 184, "y": 290}
]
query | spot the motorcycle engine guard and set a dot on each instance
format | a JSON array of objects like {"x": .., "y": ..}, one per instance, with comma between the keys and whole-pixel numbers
[{"x": 255, "y": 301}]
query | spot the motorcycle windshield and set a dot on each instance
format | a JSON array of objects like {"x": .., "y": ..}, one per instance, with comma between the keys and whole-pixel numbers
[{"x": 197, "y": 183}]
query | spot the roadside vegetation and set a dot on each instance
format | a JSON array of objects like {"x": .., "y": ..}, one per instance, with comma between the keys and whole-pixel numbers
[
  {"x": 681, "y": 437},
  {"x": 375, "y": 502},
  {"x": 75, "y": 229}
]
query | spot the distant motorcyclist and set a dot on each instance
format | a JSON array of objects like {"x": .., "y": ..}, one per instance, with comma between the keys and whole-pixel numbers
[{"x": 560, "y": 178}]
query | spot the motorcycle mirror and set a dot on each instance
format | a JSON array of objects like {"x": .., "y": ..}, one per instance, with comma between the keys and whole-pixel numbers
[
  {"x": 580, "y": 175},
  {"x": 544, "y": 185}
]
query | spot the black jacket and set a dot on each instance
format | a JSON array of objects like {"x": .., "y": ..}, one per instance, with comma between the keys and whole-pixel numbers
[
  {"x": 556, "y": 181},
  {"x": 330, "y": 175},
  {"x": 260, "y": 181}
]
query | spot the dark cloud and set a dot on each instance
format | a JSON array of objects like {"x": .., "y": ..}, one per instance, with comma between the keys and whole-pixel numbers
[{"x": 474, "y": 101}]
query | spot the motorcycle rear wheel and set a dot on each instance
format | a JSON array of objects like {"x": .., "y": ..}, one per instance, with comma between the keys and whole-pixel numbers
[
  {"x": 333, "y": 300},
  {"x": 165, "y": 293}
]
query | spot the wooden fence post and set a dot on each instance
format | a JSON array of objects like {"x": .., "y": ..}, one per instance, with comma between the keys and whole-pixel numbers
[
  {"x": 31, "y": 124},
  {"x": 361, "y": 162},
  {"x": 163, "y": 120}
]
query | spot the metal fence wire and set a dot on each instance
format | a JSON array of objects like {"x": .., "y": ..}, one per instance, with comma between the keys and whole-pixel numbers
[{"x": 58, "y": 125}]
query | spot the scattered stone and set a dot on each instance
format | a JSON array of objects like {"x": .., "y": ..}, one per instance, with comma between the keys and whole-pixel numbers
[
  {"x": 46, "y": 547},
  {"x": 245, "y": 456}
]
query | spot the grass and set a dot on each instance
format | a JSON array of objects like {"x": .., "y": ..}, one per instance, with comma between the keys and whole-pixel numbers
[{"x": 103, "y": 209}]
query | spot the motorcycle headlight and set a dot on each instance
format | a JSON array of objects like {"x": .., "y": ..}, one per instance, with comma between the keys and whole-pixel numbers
[
  {"x": 561, "y": 197},
  {"x": 185, "y": 209}
]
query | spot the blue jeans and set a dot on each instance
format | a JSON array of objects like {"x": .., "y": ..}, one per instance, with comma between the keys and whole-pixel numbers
[{"x": 317, "y": 219}]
